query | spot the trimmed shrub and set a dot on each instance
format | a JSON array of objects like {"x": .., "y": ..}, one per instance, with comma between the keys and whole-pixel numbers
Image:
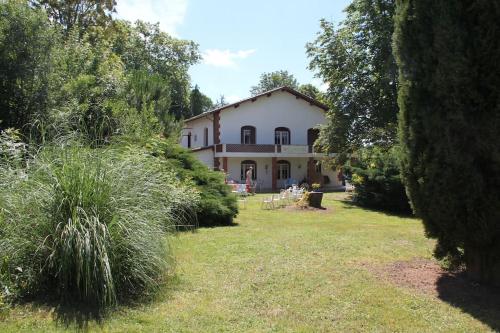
[
  {"x": 377, "y": 181},
  {"x": 218, "y": 206},
  {"x": 88, "y": 226}
]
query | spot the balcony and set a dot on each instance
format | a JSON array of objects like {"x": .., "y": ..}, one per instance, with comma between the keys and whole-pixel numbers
[{"x": 229, "y": 149}]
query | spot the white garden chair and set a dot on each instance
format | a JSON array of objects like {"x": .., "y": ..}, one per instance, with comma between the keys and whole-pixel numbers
[
  {"x": 349, "y": 187},
  {"x": 276, "y": 200},
  {"x": 267, "y": 203}
]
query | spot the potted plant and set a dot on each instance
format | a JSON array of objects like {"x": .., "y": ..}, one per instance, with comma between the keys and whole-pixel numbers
[
  {"x": 315, "y": 197},
  {"x": 315, "y": 187}
]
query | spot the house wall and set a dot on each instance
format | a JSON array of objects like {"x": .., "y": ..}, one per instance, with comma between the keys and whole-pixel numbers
[
  {"x": 196, "y": 128},
  {"x": 281, "y": 109},
  {"x": 206, "y": 156}
]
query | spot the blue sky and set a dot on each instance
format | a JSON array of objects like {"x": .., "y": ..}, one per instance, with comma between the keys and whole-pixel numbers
[{"x": 240, "y": 40}]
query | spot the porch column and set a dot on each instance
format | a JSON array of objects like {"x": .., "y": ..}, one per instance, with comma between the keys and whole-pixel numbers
[
  {"x": 216, "y": 164},
  {"x": 310, "y": 170},
  {"x": 224, "y": 164},
  {"x": 274, "y": 170}
]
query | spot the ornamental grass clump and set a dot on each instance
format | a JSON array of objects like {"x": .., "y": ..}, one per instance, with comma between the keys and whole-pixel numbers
[{"x": 88, "y": 226}]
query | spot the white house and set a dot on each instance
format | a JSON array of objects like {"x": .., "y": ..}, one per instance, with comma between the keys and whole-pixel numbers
[{"x": 274, "y": 132}]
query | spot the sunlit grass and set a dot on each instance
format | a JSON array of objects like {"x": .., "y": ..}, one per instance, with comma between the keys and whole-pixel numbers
[{"x": 285, "y": 270}]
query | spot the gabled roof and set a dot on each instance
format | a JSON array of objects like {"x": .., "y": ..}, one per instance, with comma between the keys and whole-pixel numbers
[{"x": 294, "y": 92}]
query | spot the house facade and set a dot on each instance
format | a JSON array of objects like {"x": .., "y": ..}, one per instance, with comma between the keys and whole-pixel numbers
[{"x": 273, "y": 132}]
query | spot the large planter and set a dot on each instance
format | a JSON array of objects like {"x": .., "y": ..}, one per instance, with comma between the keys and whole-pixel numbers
[{"x": 315, "y": 199}]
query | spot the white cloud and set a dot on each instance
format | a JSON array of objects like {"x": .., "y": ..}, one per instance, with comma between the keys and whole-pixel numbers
[
  {"x": 225, "y": 58},
  {"x": 170, "y": 13}
]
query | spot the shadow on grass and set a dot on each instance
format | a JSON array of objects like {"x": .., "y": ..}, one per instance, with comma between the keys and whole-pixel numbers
[
  {"x": 481, "y": 302},
  {"x": 80, "y": 317},
  {"x": 212, "y": 226},
  {"x": 349, "y": 204}
]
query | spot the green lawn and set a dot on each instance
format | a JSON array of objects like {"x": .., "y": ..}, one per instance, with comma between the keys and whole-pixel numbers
[{"x": 287, "y": 271}]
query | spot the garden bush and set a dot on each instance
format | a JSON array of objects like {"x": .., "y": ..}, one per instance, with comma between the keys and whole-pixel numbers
[
  {"x": 377, "y": 181},
  {"x": 88, "y": 226},
  {"x": 218, "y": 206}
]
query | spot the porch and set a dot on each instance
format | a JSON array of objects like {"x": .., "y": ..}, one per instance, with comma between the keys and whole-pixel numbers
[{"x": 274, "y": 173}]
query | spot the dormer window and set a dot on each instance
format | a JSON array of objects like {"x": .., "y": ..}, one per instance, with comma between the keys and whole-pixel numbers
[
  {"x": 282, "y": 136},
  {"x": 248, "y": 135}
]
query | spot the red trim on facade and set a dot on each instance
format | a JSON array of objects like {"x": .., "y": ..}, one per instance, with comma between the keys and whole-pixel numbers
[
  {"x": 224, "y": 164},
  {"x": 216, "y": 127}
]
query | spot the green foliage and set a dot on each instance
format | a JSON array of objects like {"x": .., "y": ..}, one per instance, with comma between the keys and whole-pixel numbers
[
  {"x": 83, "y": 14},
  {"x": 87, "y": 85},
  {"x": 26, "y": 41},
  {"x": 218, "y": 206},
  {"x": 143, "y": 46},
  {"x": 377, "y": 180},
  {"x": 356, "y": 60},
  {"x": 89, "y": 225},
  {"x": 311, "y": 91},
  {"x": 272, "y": 80},
  {"x": 12, "y": 150},
  {"x": 448, "y": 52}
]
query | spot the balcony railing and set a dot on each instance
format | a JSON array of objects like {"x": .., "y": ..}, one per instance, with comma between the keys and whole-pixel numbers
[{"x": 273, "y": 149}]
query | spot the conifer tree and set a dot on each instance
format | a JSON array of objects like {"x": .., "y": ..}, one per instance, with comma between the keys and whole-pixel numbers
[{"x": 448, "y": 55}]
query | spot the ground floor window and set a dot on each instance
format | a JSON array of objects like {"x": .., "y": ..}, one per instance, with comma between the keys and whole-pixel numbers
[
  {"x": 283, "y": 170},
  {"x": 245, "y": 166}
]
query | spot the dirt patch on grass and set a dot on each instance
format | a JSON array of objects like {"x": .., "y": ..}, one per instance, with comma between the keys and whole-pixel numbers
[
  {"x": 418, "y": 274},
  {"x": 427, "y": 277}
]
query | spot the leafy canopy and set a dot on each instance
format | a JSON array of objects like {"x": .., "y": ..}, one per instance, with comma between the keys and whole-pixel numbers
[
  {"x": 356, "y": 60},
  {"x": 272, "y": 80}
]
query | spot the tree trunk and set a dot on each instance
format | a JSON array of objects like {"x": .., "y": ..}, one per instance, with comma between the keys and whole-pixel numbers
[{"x": 483, "y": 266}]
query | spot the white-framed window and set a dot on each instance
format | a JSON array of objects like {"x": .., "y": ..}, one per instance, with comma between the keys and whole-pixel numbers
[
  {"x": 282, "y": 136},
  {"x": 245, "y": 166},
  {"x": 283, "y": 170},
  {"x": 248, "y": 135}
]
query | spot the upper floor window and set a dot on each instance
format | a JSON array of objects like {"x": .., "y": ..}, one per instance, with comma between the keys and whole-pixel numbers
[
  {"x": 248, "y": 135},
  {"x": 205, "y": 137},
  {"x": 312, "y": 136},
  {"x": 282, "y": 136}
]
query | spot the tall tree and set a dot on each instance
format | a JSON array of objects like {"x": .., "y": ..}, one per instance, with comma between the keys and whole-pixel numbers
[
  {"x": 448, "y": 53},
  {"x": 26, "y": 41},
  {"x": 199, "y": 102},
  {"x": 220, "y": 102},
  {"x": 356, "y": 60},
  {"x": 272, "y": 80},
  {"x": 311, "y": 91},
  {"x": 78, "y": 13},
  {"x": 143, "y": 46}
]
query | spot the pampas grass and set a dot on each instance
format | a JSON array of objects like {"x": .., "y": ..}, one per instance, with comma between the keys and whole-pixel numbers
[{"x": 88, "y": 226}]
